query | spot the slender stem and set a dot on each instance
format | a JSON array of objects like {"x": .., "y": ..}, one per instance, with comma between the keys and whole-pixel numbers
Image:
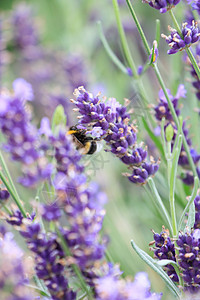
[
  {"x": 7, "y": 209},
  {"x": 123, "y": 39},
  {"x": 15, "y": 198},
  {"x": 139, "y": 28},
  {"x": 4, "y": 166},
  {"x": 109, "y": 51},
  {"x": 138, "y": 84},
  {"x": 189, "y": 52},
  {"x": 76, "y": 269},
  {"x": 159, "y": 202}
]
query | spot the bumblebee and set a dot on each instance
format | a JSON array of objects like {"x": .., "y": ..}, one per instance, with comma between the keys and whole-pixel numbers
[{"x": 86, "y": 144}]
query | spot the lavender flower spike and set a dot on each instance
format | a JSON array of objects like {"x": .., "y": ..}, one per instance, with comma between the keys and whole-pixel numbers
[
  {"x": 22, "y": 136},
  {"x": 190, "y": 35},
  {"x": 113, "y": 123},
  {"x": 12, "y": 270},
  {"x": 162, "y": 5}
]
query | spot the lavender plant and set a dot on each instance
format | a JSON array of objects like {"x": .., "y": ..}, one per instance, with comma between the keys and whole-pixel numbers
[
  {"x": 69, "y": 255},
  {"x": 65, "y": 234}
]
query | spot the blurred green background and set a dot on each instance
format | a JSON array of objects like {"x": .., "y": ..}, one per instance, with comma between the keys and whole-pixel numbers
[{"x": 66, "y": 28}]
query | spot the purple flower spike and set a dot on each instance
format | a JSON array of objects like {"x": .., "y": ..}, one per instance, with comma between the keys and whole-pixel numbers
[
  {"x": 112, "y": 121},
  {"x": 164, "y": 249},
  {"x": 162, "y": 5},
  {"x": 22, "y": 137},
  {"x": 190, "y": 35},
  {"x": 13, "y": 270}
]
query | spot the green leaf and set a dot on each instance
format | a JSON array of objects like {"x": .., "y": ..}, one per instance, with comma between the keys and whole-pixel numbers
[
  {"x": 38, "y": 290},
  {"x": 165, "y": 262},
  {"x": 159, "y": 203},
  {"x": 192, "y": 197},
  {"x": 59, "y": 117},
  {"x": 169, "y": 133},
  {"x": 153, "y": 264},
  {"x": 191, "y": 217}
]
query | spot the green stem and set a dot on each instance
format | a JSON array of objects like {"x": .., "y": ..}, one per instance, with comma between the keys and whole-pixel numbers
[
  {"x": 159, "y": 203},
  {"x": 123, "y": 39},
  {"x": 7, "y": 209},
  {"x": 4, "y": 166},
  {"x": 14, "y": 196},
  {"x": 76, "y": 269},
  {"x": 158, "y": 31},
  {"x": 139, "y": 28},
  {"x": 189, "y": 52},
  {"x": 109, "y": 51}
]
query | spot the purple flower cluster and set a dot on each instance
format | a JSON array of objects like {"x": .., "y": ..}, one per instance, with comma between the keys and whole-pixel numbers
[
  {"x": 190, "y": 35},
  {"x": 112, "y": 121},
  {"x": 81, "y": 203},
  {"x": 12, "y": 270},
  {"x": 188, "y": 246},
  {"x": 164, "y": 249},
  {"x": 50, "y": 261},
  {"x": 162, "y": 111},
  {"x": 162, "y": 5},
  {"x": 22, "y": 136}
]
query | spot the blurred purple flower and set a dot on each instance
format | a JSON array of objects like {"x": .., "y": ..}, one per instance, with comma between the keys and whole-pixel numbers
[
  {"x": 51, "y": 212},
  {"x": 22, "y": 89},
  {"x": 140, "y": 70},
  {"x": 22, "y": 136},
  {"x": 13, "y": 277},
  {"x": 195, "y": 5},
  {"x": 45, "y": 127},
  {"x": 25, "y": 34},
  {"x": 111, "y": 287},
  {"x": 129, "y": 72}
]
